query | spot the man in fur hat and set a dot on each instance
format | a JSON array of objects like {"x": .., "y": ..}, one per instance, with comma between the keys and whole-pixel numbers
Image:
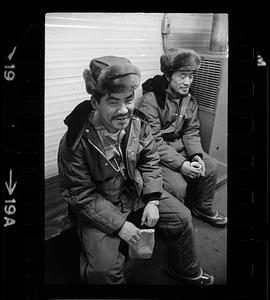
[
  {"x": 109, "y": 175},
  {"x": 188, "y": 172}
]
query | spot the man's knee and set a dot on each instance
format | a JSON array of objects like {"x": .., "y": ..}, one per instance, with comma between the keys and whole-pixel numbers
[
  {"x": 184, "y": 215},
  {"x": 100, "y": 260},
  {"x": 180, "y": 222},
  {"x": 211, "y": 166},
  {"x": 181, "y": 191},
  {"x": 175, "y": 185},
  {"x": 175, "y": 216}
]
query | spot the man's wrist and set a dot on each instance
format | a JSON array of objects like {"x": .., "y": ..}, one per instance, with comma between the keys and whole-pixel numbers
[
  {"x": 152, "y": 196},
  {"x": 120, "y": 228},
  {"x": 156, "y": 202},
  {"x": 180, "y": 168},
  {"x": 196, "y": 154}
]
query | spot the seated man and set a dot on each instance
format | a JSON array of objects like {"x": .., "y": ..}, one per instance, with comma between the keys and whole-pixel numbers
[
  {"x": 172, "y": 112},
  {"x": 109, "y": 168}
]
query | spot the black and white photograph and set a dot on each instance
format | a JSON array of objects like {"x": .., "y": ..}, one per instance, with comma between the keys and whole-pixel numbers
[{"x": 135, "y": 148}]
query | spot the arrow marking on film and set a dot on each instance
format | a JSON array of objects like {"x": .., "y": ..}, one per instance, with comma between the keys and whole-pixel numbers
[
  {"x": 10, "y": 188},
  {"x": 12, "y": 53}
]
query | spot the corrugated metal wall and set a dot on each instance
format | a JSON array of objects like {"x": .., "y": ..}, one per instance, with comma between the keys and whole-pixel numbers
[
  {"x": 190, "y": 31},
  {"x": 72, "y": 39}
]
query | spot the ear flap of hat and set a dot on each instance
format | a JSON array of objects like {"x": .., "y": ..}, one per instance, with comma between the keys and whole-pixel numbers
[
  {"x": 90, "y": 83},
  {"x": 164, "y": 64}
]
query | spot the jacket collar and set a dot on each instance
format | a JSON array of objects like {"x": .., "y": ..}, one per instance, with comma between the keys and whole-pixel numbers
[
  {"x": 159, "y": 86},
  {"x": 108, "y": 140},
  {"x": 91, "y": 134},
  {"x": 76, "y": 122},
  {"x": 79, "y": 124},
  {"x": 171, "y": 94}
]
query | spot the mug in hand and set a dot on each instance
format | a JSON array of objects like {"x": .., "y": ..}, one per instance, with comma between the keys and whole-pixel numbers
[{"x": 196, "y": 165}]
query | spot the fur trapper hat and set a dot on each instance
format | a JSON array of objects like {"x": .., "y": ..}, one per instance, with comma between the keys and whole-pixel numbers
[
  {"x": 111, "y": 74},
  {"x": 180, "y": 59}
]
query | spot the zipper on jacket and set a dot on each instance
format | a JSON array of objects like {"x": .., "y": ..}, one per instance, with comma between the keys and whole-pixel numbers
[
  {"x": 131, "y": 127},
  {"x": 116, "y": 169},
  {"x": 121, "y": 193}
]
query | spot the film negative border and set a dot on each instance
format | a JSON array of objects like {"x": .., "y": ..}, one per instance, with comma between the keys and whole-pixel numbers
[
  {"x": 23, "y": 179},
  {"x": 22, "y": 172},
  {"x": 247, "y": 188}
]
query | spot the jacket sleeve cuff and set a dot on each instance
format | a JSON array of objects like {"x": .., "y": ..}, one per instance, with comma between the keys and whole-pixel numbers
[
  {"x": 151, "y": 197},
  {"x": 199, "y": 154},
  {"x": 179, "y": 168},
  {"x": 117, "y": 230}
]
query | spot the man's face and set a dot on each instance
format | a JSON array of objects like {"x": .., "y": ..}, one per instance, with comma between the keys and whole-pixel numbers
[
  {"x": 115, "y": 110},
  {"x": 180, "y": 81}
]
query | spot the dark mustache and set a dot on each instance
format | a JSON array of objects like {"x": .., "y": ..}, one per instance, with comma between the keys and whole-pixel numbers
[{"x": 121, "y": 116}]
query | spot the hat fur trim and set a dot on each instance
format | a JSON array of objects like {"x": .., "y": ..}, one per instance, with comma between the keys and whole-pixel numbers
[
  {"x": 180, "y": 59},
  {"x": 119, "y": 78},
  {"x": 116, "y": 78},
  {"x": 119, "y": 85}
]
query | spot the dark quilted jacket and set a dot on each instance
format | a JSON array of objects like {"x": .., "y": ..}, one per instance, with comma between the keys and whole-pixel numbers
[
  {"x": 177, "y": 133},
  {"x": 91, "y": 186}
]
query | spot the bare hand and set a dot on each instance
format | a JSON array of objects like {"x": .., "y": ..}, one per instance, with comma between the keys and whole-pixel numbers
[
  {"x": 189, "y": 171},
  {"x": 150, "y": 215},
  {"x": 198, "y": 159},
  {"x": 129, "y": 233}
]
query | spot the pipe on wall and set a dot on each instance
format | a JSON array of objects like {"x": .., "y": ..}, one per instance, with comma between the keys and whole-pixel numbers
[{"x": 219, "y": 33}]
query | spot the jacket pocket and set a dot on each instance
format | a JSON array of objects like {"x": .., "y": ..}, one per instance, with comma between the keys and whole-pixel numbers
[{"x": 111, "y": 189}]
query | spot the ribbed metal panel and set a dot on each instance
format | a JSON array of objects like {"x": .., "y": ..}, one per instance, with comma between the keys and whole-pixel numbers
[
  {"x": 190, "y": 30},
  {"x": 206, "y": 83},
  {"x": 71, "y": 40}
]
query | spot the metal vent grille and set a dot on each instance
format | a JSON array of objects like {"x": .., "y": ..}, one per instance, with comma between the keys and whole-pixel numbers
[{"x": 206, "y": 83}]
